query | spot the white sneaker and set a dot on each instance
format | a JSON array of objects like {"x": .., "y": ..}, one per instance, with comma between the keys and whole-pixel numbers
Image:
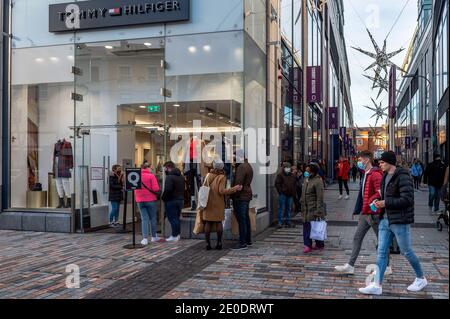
[
  {"x": 347, "y": 197},
  {"x": 340, "y": 196},
  {"x": 372, "y": 289},
  {"x": 388, "y": 271},
  {"x": 155, "y": 239},
  {"x": 346, "y": 269},
  {"x": 418, "y": 284},
  {"x": 144, "y": 242},
  {"x": 173, "y": 239}
]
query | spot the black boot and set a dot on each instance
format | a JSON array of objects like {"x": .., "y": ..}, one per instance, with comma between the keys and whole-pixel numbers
[
  {"x": 61, "y": 203},
  {"x": 69, "y": 203}
]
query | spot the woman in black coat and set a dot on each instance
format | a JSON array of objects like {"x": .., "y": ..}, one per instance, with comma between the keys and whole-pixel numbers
[{"x": 115, "y": 194}]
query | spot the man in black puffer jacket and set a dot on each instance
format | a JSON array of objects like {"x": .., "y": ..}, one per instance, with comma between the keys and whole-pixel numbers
[
  {"x": 397, "y": 204},
  {"x": 173, "y": 197}
]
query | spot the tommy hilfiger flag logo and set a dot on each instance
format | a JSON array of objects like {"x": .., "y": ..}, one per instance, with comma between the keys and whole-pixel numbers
[{"x": 115, "y": 12}]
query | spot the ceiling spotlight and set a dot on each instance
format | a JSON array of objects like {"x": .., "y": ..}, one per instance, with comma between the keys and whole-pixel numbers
[
  {"x": 39, "y": 60},
  {"x": 109, "y": 47},
  {"x": 54, "y": 59},
  {"x": 142, "y": 106},
  {"x": 192, "y": 49},
  {"x": 207, "y": 48},
  {"x": 176, "y": 105},
  {"x": 147, "y": 44}
]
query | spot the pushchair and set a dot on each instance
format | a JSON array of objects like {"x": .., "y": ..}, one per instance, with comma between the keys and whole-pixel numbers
[{"x": 444, "y": 216}]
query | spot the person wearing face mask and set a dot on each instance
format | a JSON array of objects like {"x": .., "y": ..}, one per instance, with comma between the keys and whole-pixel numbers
[
  {"x": 368, "y": 214},
  {"x": 173, "y": 198},
  {"x": 286, "y": 185},
  {"x": 312, "y": 206}
]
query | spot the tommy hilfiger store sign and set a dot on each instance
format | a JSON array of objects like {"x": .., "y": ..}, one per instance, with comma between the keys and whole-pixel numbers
[{"x": 106, "y": 13}]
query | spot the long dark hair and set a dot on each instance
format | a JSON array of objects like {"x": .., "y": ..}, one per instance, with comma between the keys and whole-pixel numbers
[{"x": 313, "y": 169}]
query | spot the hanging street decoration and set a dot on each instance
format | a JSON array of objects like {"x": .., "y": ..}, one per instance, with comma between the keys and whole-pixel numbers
[
  {"x": 379, "y": 82},
  {"x": 376, "y": 135},
  {"x": 380, "y": 111},
  {"x": 382, "y": 59}
]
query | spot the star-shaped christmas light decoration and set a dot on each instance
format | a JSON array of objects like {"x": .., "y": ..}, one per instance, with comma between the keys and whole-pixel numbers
[
  {"x": 382, "y": 59},
  {"x": 376, "y": 135},
  {"x": 380, "y": 111},
  {"x": 379, "y": 82}
]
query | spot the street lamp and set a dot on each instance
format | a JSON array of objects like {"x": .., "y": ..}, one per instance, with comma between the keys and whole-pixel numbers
[{"x": 412, "y": 76}]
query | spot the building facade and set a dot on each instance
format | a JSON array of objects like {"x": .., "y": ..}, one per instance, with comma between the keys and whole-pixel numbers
[
  {"x": 373, "y": 139},
  {"x": 125, "y": 84},
  {"x": 315, "y": 82},
  {"x": 421, "y": 120}
]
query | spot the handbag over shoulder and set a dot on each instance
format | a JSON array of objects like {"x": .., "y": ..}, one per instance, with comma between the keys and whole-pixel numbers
[{"x": 203, "y": 193}]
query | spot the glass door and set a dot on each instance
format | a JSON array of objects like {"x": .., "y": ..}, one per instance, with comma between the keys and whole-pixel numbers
[{"x": 119, "y": 118}]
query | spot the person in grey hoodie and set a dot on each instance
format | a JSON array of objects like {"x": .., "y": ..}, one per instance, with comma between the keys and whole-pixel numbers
[{"x": 173, "y": 197}]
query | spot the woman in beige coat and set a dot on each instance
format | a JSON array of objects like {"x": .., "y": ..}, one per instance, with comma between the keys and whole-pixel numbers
[{"x": 214, "y": 212}]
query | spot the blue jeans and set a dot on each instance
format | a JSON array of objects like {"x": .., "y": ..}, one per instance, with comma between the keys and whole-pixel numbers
[
  {"x": 241, "y": 209},
  {"x": 308, "y": 241},
  {"x": 148, "y": 212},
  {"x": 173, "y": 213},
  {"x": 402, "y": 234},
  {"x": 434, "y": 196},
  {"x": 114, "y": 213},
  {"x": 284, "y": 205}
]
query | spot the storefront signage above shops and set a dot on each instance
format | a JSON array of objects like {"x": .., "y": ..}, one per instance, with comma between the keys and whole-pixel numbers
[
  {"x": 407, "y": 142},
  {"x": 342, "y": 132},
  {"x": 313, "y": 78},
  {"x": 96, "y": 14},
  {"x": 333, "y": 118},
  {"x": 426, "y": 129}
]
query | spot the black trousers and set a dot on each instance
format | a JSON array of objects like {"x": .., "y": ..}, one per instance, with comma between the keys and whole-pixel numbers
[
  {"x": 416, "y": 181},
  {"x": 341, "y": 181},
  {"x": 192, "y": 178}
]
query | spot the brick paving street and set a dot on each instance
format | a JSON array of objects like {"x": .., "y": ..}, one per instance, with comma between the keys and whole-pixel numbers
[{"x": 33, "y": 265}]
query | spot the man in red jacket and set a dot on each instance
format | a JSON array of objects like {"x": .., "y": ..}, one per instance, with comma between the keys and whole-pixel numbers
[
  {"x": 369, "y": 218},
  {"x": 344, "y": 169}
]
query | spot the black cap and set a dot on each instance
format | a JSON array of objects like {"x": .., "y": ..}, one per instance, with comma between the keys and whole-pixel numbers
[{"x": 389, "y": 157}]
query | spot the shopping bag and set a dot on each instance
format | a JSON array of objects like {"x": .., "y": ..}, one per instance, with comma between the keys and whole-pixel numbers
[
  {"x": 203, "y": 194},
  {"x": 228, "y": 218},
  {"x": 252, "y": 215},
  {"x": 318, "y": 230},
  {"x": 235, "y": 224},
  {"x": 199, "y": 226}
]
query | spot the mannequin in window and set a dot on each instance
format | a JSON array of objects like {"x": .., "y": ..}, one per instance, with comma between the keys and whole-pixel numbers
[
  {"x": 62, "y": 166},
  {"x": 195, "y": 168}
]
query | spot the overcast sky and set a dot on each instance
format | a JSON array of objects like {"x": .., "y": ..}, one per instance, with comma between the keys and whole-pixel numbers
[{"x": 356, "y": 35}]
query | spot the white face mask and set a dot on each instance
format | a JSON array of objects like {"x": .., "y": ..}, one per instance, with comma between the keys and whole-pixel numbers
[{"x": 287, "y": 170}]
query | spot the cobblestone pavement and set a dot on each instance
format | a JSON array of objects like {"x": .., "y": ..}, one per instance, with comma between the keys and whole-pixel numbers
[{"x": 33, "y": 265}]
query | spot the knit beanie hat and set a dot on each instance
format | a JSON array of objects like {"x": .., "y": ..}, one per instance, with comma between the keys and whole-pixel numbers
[{"x": 389, "y": 157}]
